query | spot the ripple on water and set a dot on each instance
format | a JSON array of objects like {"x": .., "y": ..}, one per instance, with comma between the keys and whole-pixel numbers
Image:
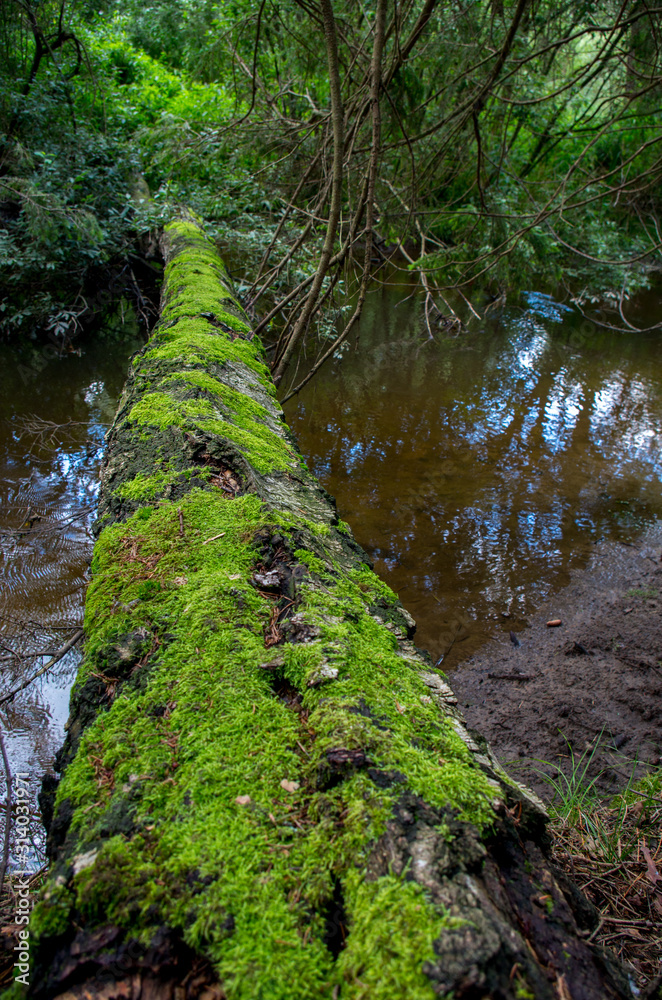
[{"x": 48, "y": 489}]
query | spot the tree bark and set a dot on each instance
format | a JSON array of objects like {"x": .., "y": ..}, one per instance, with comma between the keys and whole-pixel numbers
[
  {"x": 337, "y": 117},
  {"x": 267, "y": 791}
]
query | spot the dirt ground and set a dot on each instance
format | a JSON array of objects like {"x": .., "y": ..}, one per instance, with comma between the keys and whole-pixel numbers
[{"x": 592, "y": 684}]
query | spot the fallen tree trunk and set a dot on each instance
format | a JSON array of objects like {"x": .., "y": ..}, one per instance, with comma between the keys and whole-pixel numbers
[{"x": 266, "y": 790}]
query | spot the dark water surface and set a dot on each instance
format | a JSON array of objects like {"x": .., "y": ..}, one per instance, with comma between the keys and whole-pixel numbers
[
  {"x": 478, "y": 470},
  {"x": 54, "y": 412}
]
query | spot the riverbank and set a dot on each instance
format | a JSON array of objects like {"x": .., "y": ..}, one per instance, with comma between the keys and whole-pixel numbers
[
  {"x": 574, "y": 710},
  {"x": 591, "y": 684}
]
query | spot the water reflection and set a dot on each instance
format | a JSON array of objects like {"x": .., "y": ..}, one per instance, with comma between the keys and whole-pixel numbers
[
  {"x": 53, "y": 418},
  {"x": 477, "y": 470}
]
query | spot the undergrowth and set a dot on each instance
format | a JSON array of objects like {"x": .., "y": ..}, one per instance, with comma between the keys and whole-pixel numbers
[{"x": 611, "y": 847}]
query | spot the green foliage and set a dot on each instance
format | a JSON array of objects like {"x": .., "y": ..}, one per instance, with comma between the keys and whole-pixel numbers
[
  {"x": 140, "y": 108},
  {"x": 72, "y": 198}
]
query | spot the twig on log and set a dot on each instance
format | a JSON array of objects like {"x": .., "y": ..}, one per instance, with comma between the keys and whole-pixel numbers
[{"x": 213, "y": 538}]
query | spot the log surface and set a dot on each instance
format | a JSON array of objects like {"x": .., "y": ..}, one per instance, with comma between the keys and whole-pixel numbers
[{"x": 267, "y": 792}]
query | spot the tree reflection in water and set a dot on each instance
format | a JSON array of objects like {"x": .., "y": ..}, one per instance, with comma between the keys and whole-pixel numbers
[
  {"x": 478, "y": 470},
  {"x": 52, "y": 423}
]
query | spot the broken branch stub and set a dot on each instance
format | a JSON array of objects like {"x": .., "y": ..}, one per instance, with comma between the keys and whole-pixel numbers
[{"x": 266, "y": 789}]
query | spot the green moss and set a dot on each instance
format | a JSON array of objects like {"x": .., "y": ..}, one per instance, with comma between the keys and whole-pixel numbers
[
  {"x": 52, "y": 914},
  {"x": 392, "y": 928},
  {"x": 146, "y": 487},
  {"x": 121, "y": 886},
  {"x": 169, "y": 556},
  {"x": 198, "y": 339},
  {"x": 239, "y": 402},
  {"x": 204, "y": 785},
  {"x": 416, "y": 741},
  {"x": 161, "y": 410},
  {"x": 265, "y": 450},
  {"x": 313, "y": 562},
  {"x": 369, "y": 583},
  {"x": 201, "y": 379},
  {"x": 195, "y": 278}
]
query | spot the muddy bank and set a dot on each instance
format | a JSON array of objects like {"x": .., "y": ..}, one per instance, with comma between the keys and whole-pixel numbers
[{"x": 594, "y": 681}]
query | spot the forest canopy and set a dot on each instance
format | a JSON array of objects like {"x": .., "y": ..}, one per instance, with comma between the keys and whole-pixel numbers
[{"x": 494, "y": 145}]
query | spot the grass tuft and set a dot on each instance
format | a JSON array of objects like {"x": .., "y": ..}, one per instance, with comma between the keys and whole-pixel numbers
[{"x": 611, "y": 847}]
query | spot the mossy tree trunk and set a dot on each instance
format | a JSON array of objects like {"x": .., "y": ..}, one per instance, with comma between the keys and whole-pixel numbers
[{"x": 267, "y": 792}]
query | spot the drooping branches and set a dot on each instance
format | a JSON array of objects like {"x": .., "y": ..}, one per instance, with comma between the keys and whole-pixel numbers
[
  {"x": 375, "y": 88},
  {"x": 336, "y": 192},
  {"x": 483, "y": 142}
]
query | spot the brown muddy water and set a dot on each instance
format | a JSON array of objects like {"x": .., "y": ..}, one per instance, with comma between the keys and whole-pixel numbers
[
  {"x": 54, "y": 412},
  {"x": 476, "y": 470}
]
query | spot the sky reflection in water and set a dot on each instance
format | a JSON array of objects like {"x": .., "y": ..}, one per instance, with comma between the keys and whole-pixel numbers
[
  {"x": 478, "y": 470},
  {"x": 44, "y": 569}
]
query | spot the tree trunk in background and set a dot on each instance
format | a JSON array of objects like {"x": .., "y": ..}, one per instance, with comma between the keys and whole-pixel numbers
[{"x": 267, "y": 792}]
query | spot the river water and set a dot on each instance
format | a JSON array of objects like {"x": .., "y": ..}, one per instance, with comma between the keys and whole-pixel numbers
[
  {"x": 477, "y": 470},
  {"x": 54, "y": 411}
]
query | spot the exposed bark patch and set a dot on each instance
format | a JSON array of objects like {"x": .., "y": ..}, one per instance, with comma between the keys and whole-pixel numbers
[
  {"x": 278, "y": 577},
  {"x": 339, "y": 764},
  {"x": 60, "y": 819},
  {"x": 364, "y": 710},
  {"x": 287, "y": 694},
  {"x": 104, "y": 965},
  {"x": 226, "y": 479},
  {"x": 518, "y": 931},
  {"x": 220, "y": 325},
  {"x": 334, "y": 915}
]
